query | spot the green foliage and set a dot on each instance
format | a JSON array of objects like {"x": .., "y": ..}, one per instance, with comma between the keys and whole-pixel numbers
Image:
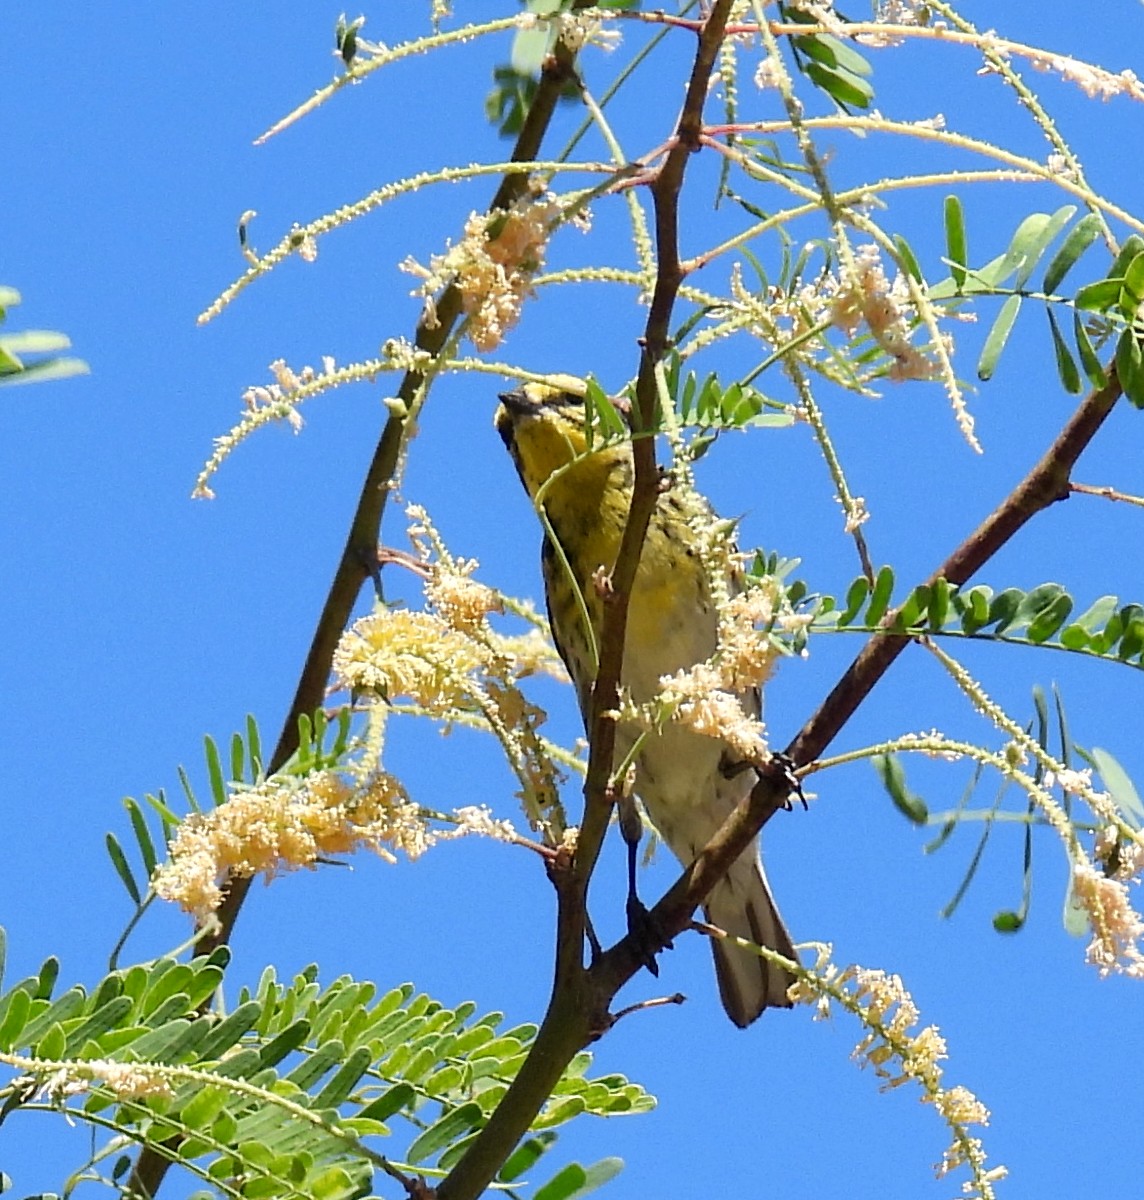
[
  {"x": 15, "y": 346},
  {"x": 1107, "y": 629},
  {"x": 892, "y": 773},
  {"x": 1114, "y": 300},
  {"x": 291, "y": 1092},
  {"x": 833, "y": 66}
]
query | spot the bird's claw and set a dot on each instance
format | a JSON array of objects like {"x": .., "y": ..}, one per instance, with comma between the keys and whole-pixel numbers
[
  {"x": 789, "y": 773},
  {"x": 647, "y": 933}
]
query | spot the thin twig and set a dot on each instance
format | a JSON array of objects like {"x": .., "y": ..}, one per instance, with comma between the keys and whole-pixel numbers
[{"x": 1108, "y": 493}]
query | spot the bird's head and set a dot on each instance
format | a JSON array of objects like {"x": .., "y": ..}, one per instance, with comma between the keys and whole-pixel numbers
[{"x": 542, "y": 425}]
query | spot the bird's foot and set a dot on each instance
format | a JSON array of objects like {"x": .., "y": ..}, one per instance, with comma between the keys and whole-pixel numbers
[{"x": 647, "y": 933}]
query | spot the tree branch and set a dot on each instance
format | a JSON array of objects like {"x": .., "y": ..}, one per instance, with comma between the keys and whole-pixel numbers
[
  {"x": 578, "y": 1008},
  {"x": 358, "y": 561}
]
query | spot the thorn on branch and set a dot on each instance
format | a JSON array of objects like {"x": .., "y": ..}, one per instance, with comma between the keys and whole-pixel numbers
[
  {"x": 656, "y": 1002},
  {"x": 387, "y": 555}
]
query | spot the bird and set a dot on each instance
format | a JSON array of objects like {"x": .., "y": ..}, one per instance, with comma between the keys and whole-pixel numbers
[{"x": 688, "y": 782}]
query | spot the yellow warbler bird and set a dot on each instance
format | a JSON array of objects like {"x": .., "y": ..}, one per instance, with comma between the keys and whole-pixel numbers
[{"x": 688, "y": 782}]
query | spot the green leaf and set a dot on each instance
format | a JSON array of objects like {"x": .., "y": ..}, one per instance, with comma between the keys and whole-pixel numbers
[
  {"x": 1007, "y": 921},
  {"x": 227, "y": 1032},
  {"x": 526, "y": 1155},
  {"x": 1080, "y": 237},
  {"x": 1133, "y": 285},
  {"x": 907, "y": 260},
  {"x": 973, "y": 607},
  {"x": 16, "y": 1008},
  {"x": 122, "y": 868},
  {"x": 1098, "y": 297},
  {"x": 1129, "y": 249},
  {"x": 1120, "y": 787},
  {"x": 208, "y": 974},
  {"x": 1033, "y": 237},
  {"x": 284, "y": 1043},
  {"x": 1050, "y": 605},
  {"x": 53, "y": 1044},
  {"x": 955, "y": 240},
  {"x": 32, "y": 341},
  {"x": 939, "y": 603},
  {"x": 442, "y": 1133},
  {"x": 214, "y": 770},
  {"x": 855, "y": 598},
  {"x": 47, "y": 371},
  {"x": 893, "y": 777},
  {"x": 1130, "y": 368},
  {"x": 557, "y": 1112},
  {"x": 909, "y": 613},
  {"x": 880, "y": 598},
  {"x": 1066, "y": 364},
  {"x": 344, "y": 1079},
  {"x": 142, "y": 836},
  {"x": 389, "y": 1102},
  {"x": 49, "y": 973},
  {"x": 176, "y": 1039},
  {"x": 1092, "y": 621},
  {"x": 327, "y": 1055},
  {"x": 997, "y": 337},
  {"x": 1004, "y": 607},
  {"x": 1093, "y": 367},
  {"x": 574, "y": 1180},
  {"x": 843, "y": 88},
  {"x": 254, "y": 747},
  {"x": 108, "y": 1016}
]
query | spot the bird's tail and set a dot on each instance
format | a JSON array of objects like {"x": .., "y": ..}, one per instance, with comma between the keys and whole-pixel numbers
[{"x": 741, "y": 903}]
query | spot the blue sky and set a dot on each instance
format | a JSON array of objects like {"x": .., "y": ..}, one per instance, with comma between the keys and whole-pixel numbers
[{"x": 137, "y": 619}]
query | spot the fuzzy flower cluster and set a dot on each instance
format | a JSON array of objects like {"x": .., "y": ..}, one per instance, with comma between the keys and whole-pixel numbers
[
  {"x": 492, "y": 266},
  {"x": 276, "y": 396},
  {"x": 933, "y": 744},
  {"x": 698, "y": 699},
  {"x": 900, "y": 12},
  {"x": 277, "y": 401},
  {"x": 868, "y": 296},
  {"x": 463, "y": 603},
  {"x": 451, "y": 664},
  {"x": 1096, "y": 83},
  {"x": 128, "y": 1080},
  {"x": 708, "y": 697},
  {"x": 574, "y": 30},
  {"x": 747, "y": 656},
  {"x": 781, "y": 317},
  {"x": 1122, "y": 858},
  {"x": 396, "y": 652},
  {"x": 900, "y": 1053},
  {"x": 281, "y": 825},
  {"x": 893, "y": 12},
  {"x": 1116, "y": 926}
]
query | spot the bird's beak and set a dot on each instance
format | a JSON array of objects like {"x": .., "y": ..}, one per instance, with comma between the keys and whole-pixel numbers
[{"x": 518, "y": 403}]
